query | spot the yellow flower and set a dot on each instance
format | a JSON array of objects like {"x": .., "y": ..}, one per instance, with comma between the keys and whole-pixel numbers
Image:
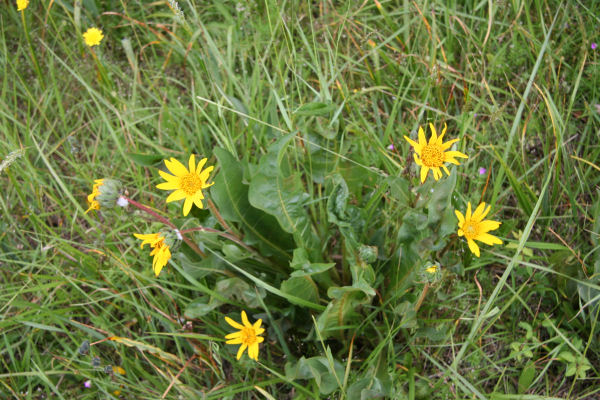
[
  {"x": 22, "y": 4},
  {"x": 161, "y": 251},
  {"x": 94, "y": 205},
  {"x": 186, "y": 184},
  {"x": 474, "y": 227},
  {"x": 93, "y": 37},
  {"x": 247, "y": 336},
  {"x": 433, "y": 155},
  {"x": 432, "y": 269}
]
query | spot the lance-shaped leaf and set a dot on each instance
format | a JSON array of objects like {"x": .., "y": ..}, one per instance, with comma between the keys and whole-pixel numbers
[
  {"x": 230, "y": 195},
  {"x": 278, "y": 191}
]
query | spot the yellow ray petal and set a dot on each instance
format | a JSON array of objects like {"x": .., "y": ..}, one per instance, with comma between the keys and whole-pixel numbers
[
  {"x": 187, "y": 205},
  {"x": 176, "y": 196},
  {"x": 488, "y": 239},
  {"x": 168, "y": 177},
  {"x": 446, "y": 169},
  {"x": 422, "y": 140},
  {"x": 234, "y": 341},
  {"x": 448, "y": 144},
  {"x": 257, "y": 325},
  {"x": 468, "y": 214},
  {"x": 485, "y": 212},
  {"x": 245, "y": 320},
  {"x": 473, "y": 247},
  {"x": 478, "y": 211},
  {"x": 439, "y": 141},
  {"x": 414, "y": 144},
  {"x": 461, "y": 218},
  {"x": 236, "y": 325},
  {"x": 424, "y": 171},
  {"x": 488, "y": 225},
  {"x": 234, "y": 335},
  {"x": 201, "y": 164},
  {"x": 241, "y": 351},
  {"x": 433, "y": 137},
  {"x": 168, "y": 185},
  {"x": 198, "y": 199},
  {"x": 192, "y": 163},
  {"x": 260, "y": 339},
  {"x": 176, "y": 168}
]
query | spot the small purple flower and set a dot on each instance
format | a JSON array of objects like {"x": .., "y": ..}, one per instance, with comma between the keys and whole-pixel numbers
[
  {"x": 594, "y": 45},
  {"x": 482, "y": 171},
  {"x": 390, "y": 147},
  {"x": 87, "y": 384}
]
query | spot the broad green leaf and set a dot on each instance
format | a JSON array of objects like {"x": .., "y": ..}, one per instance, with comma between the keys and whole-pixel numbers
[
  {"x": 303, "y": 267},
  {"x": 279, "y": 192},
  {"x": 342, "y": 310},
  {"x": 303, "y": 287},
  {"x": 439, "y": 201},
  {"x": 317, "y": 368},
  {"x": 526, "y": 378},
  {"x": 230, "y": 195}
]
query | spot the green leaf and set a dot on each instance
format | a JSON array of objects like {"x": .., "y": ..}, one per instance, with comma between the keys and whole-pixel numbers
[
  {"x": 317, "y": 368},
  {"x": 303, "y": 287},
  {"x": 303, "y": 266},
  {"x": 145, "y": 160},
  {"x": 439, "y": 202},
  {"x": 230, "y": 195},
  {"x": 282, "y": 196},
  {"x": 342, "y": 310},
  {"x": 526, "y": 378},
  {"x": 315, "y": 109}
]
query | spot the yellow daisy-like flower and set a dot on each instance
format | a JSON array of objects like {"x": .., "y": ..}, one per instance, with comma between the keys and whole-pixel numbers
[
  {"x": 187, "y": 184},
  {"x": 432, "y": 269},
  {"x": 474, "y": 227},
  {"x": 247, "y": 336},
  {"x": 93, "y": 37},
  {"x": 22, "y": 4},
  {"x": 94, "y": 205},
  {"x": 161, "y": 251},
  {"x": 433, "y": 155}
]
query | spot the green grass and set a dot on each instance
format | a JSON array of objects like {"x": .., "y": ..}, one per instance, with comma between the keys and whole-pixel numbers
[{"x": 295, "y": 103}]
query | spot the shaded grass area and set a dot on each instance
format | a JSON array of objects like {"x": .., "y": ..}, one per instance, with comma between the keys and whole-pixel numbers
[{"x": 517, "y": 83}]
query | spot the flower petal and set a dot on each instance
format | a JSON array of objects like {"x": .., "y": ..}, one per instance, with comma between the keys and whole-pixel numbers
[
  {"x": 461, "y": 218},
  {"x": 167, "y": 177},
  {"x": 187, "y": 205},
  {"x": 433, "y": 137},
  {"x": 448, "y": 144},
  {"x": 440, "y": 141},
  {"x": 488, "y": 225},
  {"x": 192, "y": 164},
  {"x": 480, "y": 208},
  {"x": 234, "y": 335},
  {"x": 473, "y": 247},
  {"x": 422, "y": 140},
  {"x": 176, "y": 168},
  {"x": 414, "y": 144},
  {"x": 424, "y": 171},
  {"x": 483, "y": 215},
  {"x": 171, "y": 185},
  {"x": 236, "y": 325},
  {"x": 257, "y": 325},
  {"x": 201, "y": 164},
  {"x": 446, "y": 169},
  {"x": 241, "y": 351},
  {"x": 468, "y": 214},
  {"x": 234, "y": 341},
  {"x": 437, "y": 174},
  {"x": 198, "y": 199},
  {"x": 245, "y": 320},
  {"x": 176, "y": 196},
  {"x": 260, "y": 339},
  {"x": 488, "y": 239}
]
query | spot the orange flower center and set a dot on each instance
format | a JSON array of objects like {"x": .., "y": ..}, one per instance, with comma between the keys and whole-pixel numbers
[
  {"x": 191, "y": 183},
  {"x": 432, "y": 155},
  {"x": 248, "y": 336},
  {"x": 471, "y": 229}
]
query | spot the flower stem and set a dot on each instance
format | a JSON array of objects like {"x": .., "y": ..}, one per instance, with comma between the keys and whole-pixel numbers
[{"x": 165, "y": 221}]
